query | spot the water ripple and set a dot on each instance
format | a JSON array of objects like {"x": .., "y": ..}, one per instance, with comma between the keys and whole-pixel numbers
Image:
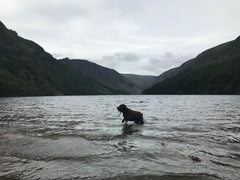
[{"x": 82, "y": 137}]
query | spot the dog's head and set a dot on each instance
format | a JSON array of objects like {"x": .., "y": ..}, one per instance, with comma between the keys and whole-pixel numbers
[{"x": 122, "y": 108}]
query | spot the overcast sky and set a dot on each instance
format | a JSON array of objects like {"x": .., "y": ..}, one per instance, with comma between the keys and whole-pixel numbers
[{"x": 130, "y": 36}]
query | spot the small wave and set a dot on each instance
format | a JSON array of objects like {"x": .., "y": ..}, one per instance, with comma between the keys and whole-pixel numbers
[
  {"x": 166, "y": 177},
  {"x": 223, "y": 140},
  {"x": 232, "y": 139},
  {"x": 89, "y": 137},
  {"x": 190, "y": 129},
  {"x": 89, "y": 158},
  {"x": 231, "y": 129},
  {"x": 225, "y": 164},
  {"x": 230, "y": 155},
  {"x": 125, "y": 146},
  {"x": 235, "y": 156},
  {"x": 136, "y": 102}
]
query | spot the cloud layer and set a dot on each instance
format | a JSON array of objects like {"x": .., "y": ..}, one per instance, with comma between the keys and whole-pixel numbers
[{"x": 131, "y": 36}]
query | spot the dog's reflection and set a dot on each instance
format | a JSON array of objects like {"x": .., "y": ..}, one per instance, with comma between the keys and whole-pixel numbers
[{"x": 129, "y": 129}]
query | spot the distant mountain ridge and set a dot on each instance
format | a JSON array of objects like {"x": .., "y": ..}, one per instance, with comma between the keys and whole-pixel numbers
[
  {"x": 214, "y": 71},
  {"x": 27, "y": 70},
  {"x": 143, "y": 81},
  {"x": 105, "y": 76}
]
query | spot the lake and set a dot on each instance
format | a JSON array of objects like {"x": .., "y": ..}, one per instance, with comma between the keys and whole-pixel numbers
[{"x": 82, "y": 137}]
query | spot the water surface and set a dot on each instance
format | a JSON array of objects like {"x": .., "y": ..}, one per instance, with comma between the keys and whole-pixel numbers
[{"x": 82, "y": 137}]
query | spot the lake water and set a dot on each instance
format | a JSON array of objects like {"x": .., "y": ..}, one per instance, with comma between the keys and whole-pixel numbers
[{"x": 82, "y": 137}]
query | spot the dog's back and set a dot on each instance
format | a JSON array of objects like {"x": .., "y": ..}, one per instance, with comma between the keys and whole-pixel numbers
[
  {"x": 131, "y": 115},
  {"x": 135, "y": 116}
]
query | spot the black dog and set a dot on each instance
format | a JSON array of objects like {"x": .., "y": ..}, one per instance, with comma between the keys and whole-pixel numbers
[{"x": 130, "y": 115}]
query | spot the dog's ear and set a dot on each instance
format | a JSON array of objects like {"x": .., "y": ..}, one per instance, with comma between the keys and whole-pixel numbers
[{"x": 124, "y": 106}]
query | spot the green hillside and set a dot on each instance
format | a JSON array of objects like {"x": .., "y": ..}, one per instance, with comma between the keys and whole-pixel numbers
[
  {"x": 143, "y": 81},
  {"x": 27, "y": 70},
  {"x": 215, "y": 71}
]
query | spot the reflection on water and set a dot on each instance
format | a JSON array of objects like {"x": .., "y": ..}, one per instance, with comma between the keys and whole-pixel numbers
[
  {"x": 82, "y": 137},
  {"x": 129, "y": 129}
]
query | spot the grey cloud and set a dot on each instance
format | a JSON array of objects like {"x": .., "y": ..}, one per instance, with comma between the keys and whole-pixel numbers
[
  {"x": 122, "y": 57},
  {"x": 142, "y": 64},
  {"x": 62, "y": 14},
  {"x": 156, "y": 65},
  {"x": 55, "y": 11},
  {"x": 168, "y": 55},
  {"x": 121, "y": 61},
  {"x": 129, "y": 57},
  {"x": 149, "y": 35},
  {"x": 165, "y": 62}
]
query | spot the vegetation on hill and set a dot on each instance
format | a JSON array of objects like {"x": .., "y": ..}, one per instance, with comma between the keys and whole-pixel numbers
[
  {"x": 143, "y": 81},
  {"x": 27, "y": 70},
  {"x": 215, "y": 71}
]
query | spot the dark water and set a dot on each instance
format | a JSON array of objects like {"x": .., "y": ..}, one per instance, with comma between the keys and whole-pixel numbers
[{"x": 82, "y": 137}]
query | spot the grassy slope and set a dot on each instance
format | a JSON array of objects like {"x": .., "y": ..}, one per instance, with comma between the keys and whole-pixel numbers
[
  {"x": 215, "y": 71},
  {"x": 27, "y": 70},
  {"x": 143, "y": 81}
]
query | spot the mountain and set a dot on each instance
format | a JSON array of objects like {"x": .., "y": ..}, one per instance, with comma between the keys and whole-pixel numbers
[
  {"x": 167, "y": 74},
  {"x": 110, "y": 80},
  {"x": 27, "y": 70},
  {"x": 142, "y": 81},
  {"x": 214, "y": 71}
]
